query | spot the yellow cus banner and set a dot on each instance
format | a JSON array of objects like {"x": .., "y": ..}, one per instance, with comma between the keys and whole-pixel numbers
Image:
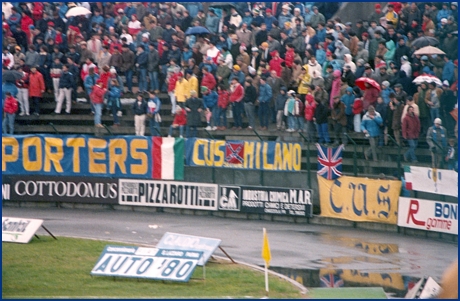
[{"x": 360, "y": 199}]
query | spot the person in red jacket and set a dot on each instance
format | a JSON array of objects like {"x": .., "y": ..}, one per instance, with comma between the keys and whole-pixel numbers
[
  {"x": 36, "y": 88},
  {"x": 410, "y": 132},
  {"x": 9, "y": 113},
  {"x": 236, "y": 97},
  {"x": 173, "y": 77},
  {"x": 180, "y": 120},
  {"x": 97, "y": 99},
  {"x": 310, "y": 106},
  {"x": 222, "y": 103},
  {"x": 208, "y": 80},
  {"x": 275, "y": 62},
  {"x": 357, "y": 110},
  {"x": 289, "y": 56}
]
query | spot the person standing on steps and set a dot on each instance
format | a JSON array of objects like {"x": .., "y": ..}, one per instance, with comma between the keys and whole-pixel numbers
[
  {"x": 97, "y": 99},
  {"x": 410, "y": 132},
  {"x": 370, "y": 126},
  {"x": 437, "y": 133},
  {"x": 139, "y": 110}
]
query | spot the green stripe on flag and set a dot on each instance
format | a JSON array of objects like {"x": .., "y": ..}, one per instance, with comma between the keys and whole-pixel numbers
[
  {"x": 407, "y": 168},
  {"x": 179, "y": 147}
]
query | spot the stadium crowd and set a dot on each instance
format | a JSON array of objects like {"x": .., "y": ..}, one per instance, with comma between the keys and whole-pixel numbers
[{"x": 288, "y": 63}]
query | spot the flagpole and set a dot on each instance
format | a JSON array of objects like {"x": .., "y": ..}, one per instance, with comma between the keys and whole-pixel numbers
[{"x": 266, "y": 279}]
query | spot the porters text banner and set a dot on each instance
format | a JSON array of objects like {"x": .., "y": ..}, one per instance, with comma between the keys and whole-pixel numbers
[
  {"x": 261, "y": 155},
  {"x": 360, "y": 199},
  {"x": 80, "y": 155}
]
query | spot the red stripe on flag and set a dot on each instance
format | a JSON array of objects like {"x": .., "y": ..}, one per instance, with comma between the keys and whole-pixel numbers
[
  {"x": 409, "y": 185},
  {"x": 156, "y": 155}
]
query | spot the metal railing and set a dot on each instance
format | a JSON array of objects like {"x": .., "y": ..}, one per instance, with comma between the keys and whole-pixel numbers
[
  {"x": 399, "y": 153},
  {"x": 308, "y": 160},
  {"x": 355, "y": 155},
  {"x": 54, "y": 128}
]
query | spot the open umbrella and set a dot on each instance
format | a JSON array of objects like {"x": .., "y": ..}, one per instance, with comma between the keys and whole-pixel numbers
[
  {"x": 424, "y": 41},
  {"x": 427, "y": 78},
  {"x": 197, "y": 30},
  {"x": 11, "y": 76},
  {"x": 360, "y": 82},
  {"x": 429, "y": 50},
  {"x": 77, "y": 11}
]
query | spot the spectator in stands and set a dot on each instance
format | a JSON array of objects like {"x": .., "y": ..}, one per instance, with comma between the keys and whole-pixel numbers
[
  {"x": 433, "y": 100},
  {"x": 222, "y": 104},
  {"x": 410, "y": 132},
  {"x": 236, "y": 97},
  {"x": 180, "y": 120},
  {"x": 249, "y": 100},
  {"x": 264, "y": 98},
  {"x": 436, "y": 137},
  {"x": 10, "y": 107},
  {"x": 113, "y": 103},
  {"x": 153, "y": 68},
  {"x": 128, "y": 61},
  {"x": 23, "y": 91},
  {"x": 153, "y": 113},
  {"x": 339, "y": 121},
  {"x": 36, "y": 88},
  {"x": 66, "y": 84},
  {"x": 371, "y": 128},
  {"x": 320, "y": 118},
  {"x": 97, "y": 99},
  {"x": 194, "y": 106},
  {"x": 139, "y": 110},
  {"x": 451, "y": 155},
  {"x": 396, "y": 107}
]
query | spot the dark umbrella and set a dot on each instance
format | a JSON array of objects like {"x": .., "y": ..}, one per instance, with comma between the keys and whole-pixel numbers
[
  {"x": 424, "y": 41},
  {"x": 197, "y": 30},
  {"x": 11, "y": 76}
]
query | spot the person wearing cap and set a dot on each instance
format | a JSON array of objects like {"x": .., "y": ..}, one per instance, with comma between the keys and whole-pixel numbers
[
  {"x": 269, "y": 19},
  {"x": 285, "y": 15},
  {"x": 370, "y": 126},
  {"x": 18, "y": 56},
  {"x": 317, "y": 17},
  {"x": 437, "y": 133}
]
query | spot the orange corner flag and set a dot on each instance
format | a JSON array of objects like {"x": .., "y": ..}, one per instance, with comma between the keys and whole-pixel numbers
[{"x": 266, "y": 249}]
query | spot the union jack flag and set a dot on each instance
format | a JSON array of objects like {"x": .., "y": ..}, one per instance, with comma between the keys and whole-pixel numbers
[
  {"x": 331, "y": 280},
  {"x": 234, "y": 152},
  {"x": 329, "y": 161}
]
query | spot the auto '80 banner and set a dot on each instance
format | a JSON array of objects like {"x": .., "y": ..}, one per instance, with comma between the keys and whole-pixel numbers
[
  {"x": 260, "y": 155},
  {"x": 81, "y": 155}
]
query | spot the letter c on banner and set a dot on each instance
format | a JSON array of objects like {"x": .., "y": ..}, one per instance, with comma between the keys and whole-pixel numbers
[{"x": 334, "y": 207}]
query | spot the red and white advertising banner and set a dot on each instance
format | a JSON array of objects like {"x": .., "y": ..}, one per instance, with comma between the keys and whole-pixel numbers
[{"x": 428, "y": 215}]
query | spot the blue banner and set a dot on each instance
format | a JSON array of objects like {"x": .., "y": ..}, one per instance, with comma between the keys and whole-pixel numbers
[
  {"x": 77, "y": 155},
  {"x": 261, "y": 155}
]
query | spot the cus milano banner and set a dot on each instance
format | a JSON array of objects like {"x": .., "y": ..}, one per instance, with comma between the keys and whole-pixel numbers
[
  {"x": 261, "y": 155},
  {"x": 80, "y": 155}
]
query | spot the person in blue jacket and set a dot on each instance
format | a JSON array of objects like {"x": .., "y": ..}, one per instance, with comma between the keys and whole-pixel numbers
[
  {"x": 448, "y": 70},
  {"x": 265, "y": 96},
  {"x": 348, "y": 99},
  {"x": 141, "y": 65},
  {"x": 211, "y": 109},
  {"x": 153, "y": 113},
  {"x": 370, "y": 126}
]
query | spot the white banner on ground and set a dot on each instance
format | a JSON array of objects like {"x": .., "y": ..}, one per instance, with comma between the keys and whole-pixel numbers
[
  {"x": 20, "y": 230},
  {"x": 428, "y": 215}
]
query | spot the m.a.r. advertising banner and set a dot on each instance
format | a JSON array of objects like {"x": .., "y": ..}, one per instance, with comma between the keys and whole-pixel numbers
[
  {"x": 360, "y": 199},
  {"x": 60, "y": 189},
  {"x": 428, "y": 215},
  {"x": 266, "y": 200}
]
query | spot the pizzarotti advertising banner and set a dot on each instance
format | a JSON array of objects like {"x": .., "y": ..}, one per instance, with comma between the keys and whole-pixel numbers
[
  {"x": 359, "y": 199},
  {"x": 260, "y": 155},
  {"x": 80, "y": 155},
  {"x": 428, "y": 215}
]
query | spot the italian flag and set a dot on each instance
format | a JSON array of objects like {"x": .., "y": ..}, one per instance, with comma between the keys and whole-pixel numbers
[
  {"x": 408, "y": 177},
  {"x": 168, "y": 158}
]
